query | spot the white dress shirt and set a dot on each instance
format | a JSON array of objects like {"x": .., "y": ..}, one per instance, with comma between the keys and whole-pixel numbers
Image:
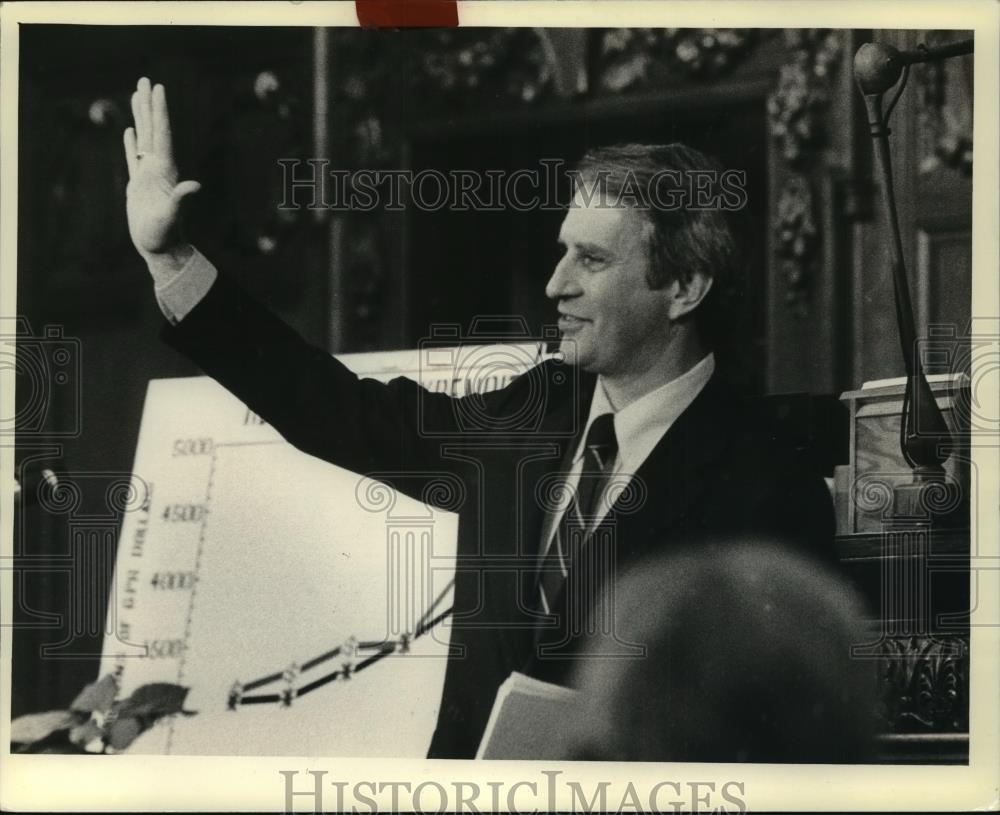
[
  {"x": 180, "y": 292},
  {"x": 639, "y": 426}
]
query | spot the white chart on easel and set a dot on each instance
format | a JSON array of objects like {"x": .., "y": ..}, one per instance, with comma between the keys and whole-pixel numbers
[{"x": 244, "y": 557}]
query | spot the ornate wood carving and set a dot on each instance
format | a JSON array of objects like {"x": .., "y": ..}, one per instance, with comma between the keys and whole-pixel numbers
[
  {"x": 466, "y": 69},
  {"x": 797, "y": 235},
  {"x": 923, "y": 684},
  {"x": 796, "y": 107},
  {"x": 797, "y": 124},
  {"x": 444, "y": 72},
  {"x": 944, "y": 110},
  {"x": 633, "y": 58}
]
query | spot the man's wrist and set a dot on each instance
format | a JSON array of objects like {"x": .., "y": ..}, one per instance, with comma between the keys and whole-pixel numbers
[
  {"x": 182, "y": 281},
  {"x": 163, "y": 266}
]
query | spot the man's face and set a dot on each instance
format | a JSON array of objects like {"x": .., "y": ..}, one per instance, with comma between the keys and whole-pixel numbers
[{"x": 612, "y": 323}]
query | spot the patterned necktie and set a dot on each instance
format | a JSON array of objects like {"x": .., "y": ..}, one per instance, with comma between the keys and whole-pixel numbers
[{"x": 572, "y": 530}]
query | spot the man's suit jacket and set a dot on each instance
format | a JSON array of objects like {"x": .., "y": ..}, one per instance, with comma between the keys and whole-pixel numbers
[{"x": 712, "y": 476}]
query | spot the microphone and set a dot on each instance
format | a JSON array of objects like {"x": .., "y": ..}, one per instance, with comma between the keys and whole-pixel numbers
[{"x": 878, "y": 66}]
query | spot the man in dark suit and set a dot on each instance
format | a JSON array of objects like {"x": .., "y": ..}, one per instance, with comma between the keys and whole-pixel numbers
[{"x": 626, "y": 445}]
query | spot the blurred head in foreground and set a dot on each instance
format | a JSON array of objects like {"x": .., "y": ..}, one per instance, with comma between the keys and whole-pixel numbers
[{"x": 747, "y": 659}]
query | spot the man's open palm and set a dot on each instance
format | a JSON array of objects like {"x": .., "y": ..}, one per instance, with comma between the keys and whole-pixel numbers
[{"x": 153, "y": 194}]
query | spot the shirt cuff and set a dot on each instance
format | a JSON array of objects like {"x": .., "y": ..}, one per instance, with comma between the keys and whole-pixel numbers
[{"x": 184, "y": 290}]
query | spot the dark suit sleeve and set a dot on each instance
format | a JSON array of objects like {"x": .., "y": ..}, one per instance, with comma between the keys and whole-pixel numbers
[
  {"x": 796, "y": 506},
  {"x": 312, "y": 399},
  {"x": 801, "y": 510}
]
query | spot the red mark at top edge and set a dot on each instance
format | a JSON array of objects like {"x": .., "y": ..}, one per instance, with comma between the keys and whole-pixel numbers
[{"x": 407, "y": 13}]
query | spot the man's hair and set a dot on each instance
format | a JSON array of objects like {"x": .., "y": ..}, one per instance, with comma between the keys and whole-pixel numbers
[{"x": 683, "y": 241}]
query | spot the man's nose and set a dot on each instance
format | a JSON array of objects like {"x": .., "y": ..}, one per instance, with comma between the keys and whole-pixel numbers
[{"x": 563, "y": 281}]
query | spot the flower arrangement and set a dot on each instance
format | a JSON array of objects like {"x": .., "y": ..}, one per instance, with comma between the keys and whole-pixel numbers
[{"x": 97, "y": 721}]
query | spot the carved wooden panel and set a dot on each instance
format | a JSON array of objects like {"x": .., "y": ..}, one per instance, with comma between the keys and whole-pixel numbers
[
  {"x": 916, "y": 583},
  {"x": 924, "y": 684}
]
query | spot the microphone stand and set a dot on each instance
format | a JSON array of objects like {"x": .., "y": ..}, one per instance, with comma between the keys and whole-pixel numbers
[{"x": 924, "y": 435}]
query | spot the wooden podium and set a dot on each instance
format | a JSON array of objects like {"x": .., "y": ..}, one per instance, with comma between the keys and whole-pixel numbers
[{"x": 911, "y": 560}]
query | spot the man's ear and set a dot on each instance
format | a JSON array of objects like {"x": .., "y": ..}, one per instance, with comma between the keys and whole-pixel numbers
[{"x": 686, "y": 295}]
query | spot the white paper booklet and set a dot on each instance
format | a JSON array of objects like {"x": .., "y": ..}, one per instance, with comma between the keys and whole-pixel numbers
[{"x": 528, "y": 720}]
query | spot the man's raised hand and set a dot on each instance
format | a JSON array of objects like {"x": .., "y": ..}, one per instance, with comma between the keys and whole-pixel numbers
[{"x": 153, "y": 194}]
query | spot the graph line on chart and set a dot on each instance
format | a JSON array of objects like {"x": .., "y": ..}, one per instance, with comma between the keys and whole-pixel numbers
[{"x": 352, "y": 664}]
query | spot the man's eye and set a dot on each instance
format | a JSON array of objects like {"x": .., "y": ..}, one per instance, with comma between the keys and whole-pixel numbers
[{"x": 588, "y": 259}]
